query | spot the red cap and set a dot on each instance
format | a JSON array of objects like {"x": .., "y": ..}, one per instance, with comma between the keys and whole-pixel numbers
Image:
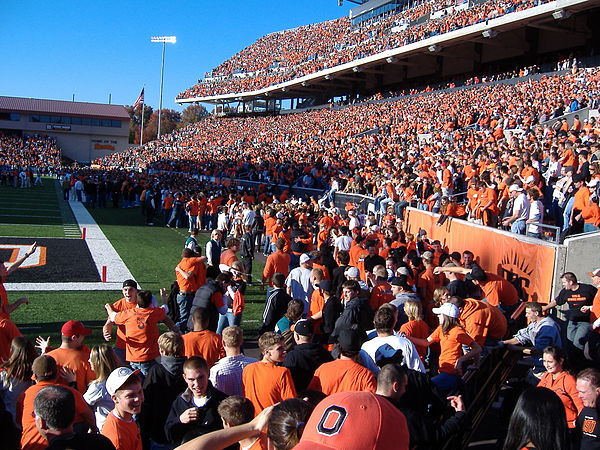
[
  {"x": 355, "y": 420},
  {"x": 73, "y": 327}
]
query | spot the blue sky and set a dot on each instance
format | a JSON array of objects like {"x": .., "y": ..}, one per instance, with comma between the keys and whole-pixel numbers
[{"x": 54, "y": 49}]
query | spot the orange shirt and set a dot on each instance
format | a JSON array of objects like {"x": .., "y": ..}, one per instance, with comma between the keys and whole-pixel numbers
[
  {"x": 317, "y": 303},
  {"x": 451, "y": 346},
  {"x": 204, "y": 343},
  {"x": 497, "y": 290},
  {"x": 8, "y": 331},
  {"x": 78, "y": 361},
  {"x": 265, "y": 384},
  {"x": 498, "y": 324},
  {"x": 428, "y": 282},
  {"x": 343, "y": 375},
  {"x": 276, "y": 262},
  {"x": 31, "y": 439},
  {"x": 141, "y": 328},
  {"x": 228, "y": 257},
  {"x": 595, "y": 312},
  {"x": 198, "y": 277},
  {"x": 122, "y": 305},
  {"x": 418, "y": 329},
  {"x": 475, "y": 319},
  {"x": 123, "y": 434},
  {"x": 581, "y": 198},
  {"x": 382, "y": 293}
]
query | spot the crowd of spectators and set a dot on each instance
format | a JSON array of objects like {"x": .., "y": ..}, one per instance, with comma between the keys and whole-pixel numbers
[
  {"x": 285, "y": 55},
  {"x": 413, "y": 150},
  {"x": 23, "y": 159}
]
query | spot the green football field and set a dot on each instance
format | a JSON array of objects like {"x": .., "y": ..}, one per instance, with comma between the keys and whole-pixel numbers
[{"x": 150, "y": 253}]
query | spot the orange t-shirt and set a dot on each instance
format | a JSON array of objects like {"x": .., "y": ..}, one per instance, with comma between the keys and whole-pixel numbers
[
  {"x": 118, "y": 306},
  {"x": 317, "y": 303},
  {"x": 198, "y": 278},
  {"x": 31, "y": 439},
  {"x": 123, "y": 434},
  {"x": 228, "y": 257},
  {"x": 265, "y": 384},
  {"x": 475, "y": 319},
  {"x": 451, "y": 347},
  {"x": 343, "y": 375},
  {"x": 418, "y": 329},
  {"x": 428, "y": 282},
  {"x": 382, "y": 293},
  {"x": 276, "y": 262},
  {"x": 497, "y": 290},
  {"x": 141, "y": 328},
  {"x": 78, "y": 361},
  {"x": 8, "y": 331},
  {"x": 204, "y": 343},
  {"x": 498, "y": 324}
]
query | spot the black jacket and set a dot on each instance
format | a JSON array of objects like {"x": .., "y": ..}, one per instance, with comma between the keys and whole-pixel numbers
[
  {"x": 275, "y": 308},
  {"x": 357, "y": 314},
  {"x": 209, "y": 420},
  {"x": 162, "y": 385},
  {"x": 303, "y": 360}
]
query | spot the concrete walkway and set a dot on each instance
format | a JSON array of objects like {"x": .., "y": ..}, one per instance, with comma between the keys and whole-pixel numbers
[{"x": 103, "y": 254}]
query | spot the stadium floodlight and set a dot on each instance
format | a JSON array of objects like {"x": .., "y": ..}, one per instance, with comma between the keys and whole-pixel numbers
[
  {"x": 489, "y": 34},
  {"x": 434, "y": 48},
  {"x": 164, "y": 40}
]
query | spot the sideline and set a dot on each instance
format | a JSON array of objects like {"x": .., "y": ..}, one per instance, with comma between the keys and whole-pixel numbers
[{"x": 103, "y": 254}]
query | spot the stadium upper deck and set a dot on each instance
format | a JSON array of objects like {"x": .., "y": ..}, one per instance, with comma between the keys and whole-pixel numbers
[{"x": 431, "y": 38}]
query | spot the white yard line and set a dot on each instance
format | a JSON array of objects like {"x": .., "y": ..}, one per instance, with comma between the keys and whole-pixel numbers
[{"x": 103, "y": 254}]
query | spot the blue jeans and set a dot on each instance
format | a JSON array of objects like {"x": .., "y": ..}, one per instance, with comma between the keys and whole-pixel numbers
[
  {"x": 184, "y": 302},
  {"x": 445, "y": 382},
  {"x": 518, "y": 226},
  {"x": 588, "y": 228},
  {"x": 143, "y": 367},
  {"x": 228, "y": 320}
]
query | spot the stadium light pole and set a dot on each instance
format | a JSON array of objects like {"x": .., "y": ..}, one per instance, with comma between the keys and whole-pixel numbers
[{"x": 164, "y": 40}]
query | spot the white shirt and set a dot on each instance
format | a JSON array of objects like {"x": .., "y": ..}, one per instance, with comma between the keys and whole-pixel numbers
[
  {"x": 343, "y": 242},
  {"x": 299, "y": 282},
  {"x": 522, "y": 205},
  {"x": 409, "y": 352},
  {"x": 536, "y": 212}
]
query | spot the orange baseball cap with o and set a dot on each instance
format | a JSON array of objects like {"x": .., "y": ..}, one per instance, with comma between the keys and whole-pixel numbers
[{"x": 355, "y": 420}]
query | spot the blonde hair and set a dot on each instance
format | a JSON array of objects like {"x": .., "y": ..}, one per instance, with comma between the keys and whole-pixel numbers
[
  {"x": 438, "y": 294},
  {"x": 232, "y": 336},
  {"x": 268, "y": 340},
  {"x": 413, "y": 310},
  {"x": 104, "y": 360},
  {"x": 171, "y": 344}
]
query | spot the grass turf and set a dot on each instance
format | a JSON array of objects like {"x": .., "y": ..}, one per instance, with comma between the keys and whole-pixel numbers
[{"x": 151, "y": 254}]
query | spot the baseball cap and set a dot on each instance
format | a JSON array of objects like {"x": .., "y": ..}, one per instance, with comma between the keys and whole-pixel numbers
[
  {"x": 304, "y": 327},
  {"x": 386, "y": 354},
  {"x": 594, "y": 273},
  {"x": 304, "y": 258},
  {"x": 448, "y": 309},
  {"x": 515, "y": 187},
  {"x": 355, "y": 420},
  {"x": 349, "y": 340},
  {"x": 130, "y": 283},
  {"x": 44, "y": 366},
  {"x": 427, "y": 255},
  {"x": 530, "y": 179},
  {"x": 477, "y": 273},
  {"x": 73, "y": 327},
  {"x": 118, "y": 377},
  {"x": 352, "y": 272},
  {"x": 325, "y": 285}
]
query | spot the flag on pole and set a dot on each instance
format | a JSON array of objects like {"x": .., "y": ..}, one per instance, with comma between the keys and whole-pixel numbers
[{"x": 139, "y": 100}]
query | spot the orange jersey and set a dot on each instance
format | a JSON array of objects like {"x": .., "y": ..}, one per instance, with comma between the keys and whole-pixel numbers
[
  {"x": 265, "y": 384},
  {"x": 141, "y": 327},
  {"x": 276, "y": 262},
  {"x": 382, "y": 293},
  {"x": 451, "y": 346},
  {"x": 122, "y": 305},
  {"x": 125, "y": 435},
  {"x": 198, "y": 274},
  {"x": 204, "y": 343},
  {"x": 418, "y": 329},
  {"x": 78, "y": 361},
  {"x": 497, "y": 290},
  {"x": 343, "y": 375}
]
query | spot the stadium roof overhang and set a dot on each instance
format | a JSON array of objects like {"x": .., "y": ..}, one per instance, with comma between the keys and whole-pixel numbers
[{"x": 495, "y": 34}]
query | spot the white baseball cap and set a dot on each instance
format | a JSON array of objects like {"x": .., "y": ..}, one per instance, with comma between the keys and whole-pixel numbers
[
  {"x": 448, "y": 309},
  {"x": 352, "y": 272},
  {"x": 118, "y": 377}
]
